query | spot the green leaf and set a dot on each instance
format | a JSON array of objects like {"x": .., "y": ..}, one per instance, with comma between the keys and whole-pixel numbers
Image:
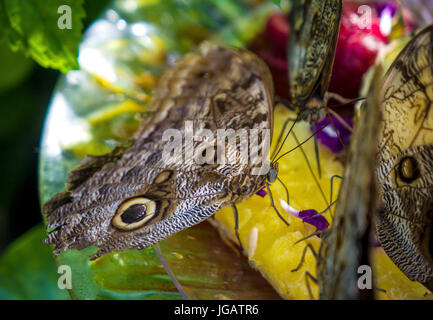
[
  {"x": 15, "y": 67},
  {"x": 4, "y": 21},
  {"x": 28, "y": 269},
  {"x": 33, "y": 28}
]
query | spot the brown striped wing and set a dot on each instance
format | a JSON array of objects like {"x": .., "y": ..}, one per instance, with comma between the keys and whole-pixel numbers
[
  {"x": 405, "y": 171},
  {"x": 314, "y": 28},
  {"x": 135, "y": 197}
]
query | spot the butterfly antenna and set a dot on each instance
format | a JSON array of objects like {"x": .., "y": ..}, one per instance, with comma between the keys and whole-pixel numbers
[
  {"x": 300, "y": 144},
  {"x": 311, "y": 169},
  {"x": 280, "y": 136},
  {"x": 287, "y": 135},
  {"x": 170, "y": 273},
  {"x": 275, "y": 208},
  {"x": 285, "y": 188}
]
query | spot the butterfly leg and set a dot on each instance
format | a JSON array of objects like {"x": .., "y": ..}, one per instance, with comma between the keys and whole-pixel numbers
[
  {"x": 285, "y": 188},
  {"x": 335, "y": 176},
  {"x": 339, "y": 118},
  {"x": 309, "y": 276},
  {"x": 236, "y": 216},
  {"x": 170, "y": 273},
  {"x": 332, "y": 203},
  {"x": 275, "y": 208},
  {"x": 316, "y": 151},
  {"x": 316, "y": 233},
  {"x": 342, "y": 100},
  {"x": 330, "y": 112},
  {"x": 310, "y": 168},
  {"x": 304, "y": 252},
  {"x": 379, "y": 289}
]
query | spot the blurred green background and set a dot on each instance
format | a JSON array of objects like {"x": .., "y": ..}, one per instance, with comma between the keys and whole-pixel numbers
[{"x": 25, "y": 93}]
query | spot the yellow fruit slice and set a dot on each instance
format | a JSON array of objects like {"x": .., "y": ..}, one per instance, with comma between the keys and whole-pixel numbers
[
  {"x": 270, "y": 244},
  {"x": 267, "y": 240}
]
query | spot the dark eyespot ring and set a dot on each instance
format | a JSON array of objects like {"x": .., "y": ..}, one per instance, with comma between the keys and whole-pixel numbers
[
  {"x": 134, "y": 213},
  {"x": 408, "y": 169}
]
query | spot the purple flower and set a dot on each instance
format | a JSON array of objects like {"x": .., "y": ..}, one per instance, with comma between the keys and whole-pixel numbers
[
  {"x": 389, "y": 6},
  {"x": 308, "y": 216},
  {"x": 262, "y": 193},
  {"x": 329, "y": 137}
]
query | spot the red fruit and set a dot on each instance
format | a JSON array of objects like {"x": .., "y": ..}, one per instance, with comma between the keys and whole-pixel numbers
[
  {"x": 273, "y": 50},
  {"x": 356, "y": 52},
  {"x": 277, "y": 30}
]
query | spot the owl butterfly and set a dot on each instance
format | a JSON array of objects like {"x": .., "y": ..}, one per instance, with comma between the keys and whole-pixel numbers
[
  {"x": 345, "y": 246},
  {"x": 405, "y": 160},
  {"x": 314, "y": 29},
  {"x": 134, "y": 196}
]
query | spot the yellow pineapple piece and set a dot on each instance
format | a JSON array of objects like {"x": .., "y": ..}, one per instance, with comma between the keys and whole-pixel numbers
[
  {"x": 394, "y": 282},
  {"x": 270, "y": 244}
]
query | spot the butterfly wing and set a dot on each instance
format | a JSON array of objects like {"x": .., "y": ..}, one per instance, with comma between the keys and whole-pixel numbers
[
  {"x": 407, "y": 98},
  {"x": 405, "y": 171},
  {"x": 314, "y": 28},
  {"x": 405, "y": 218},
  {"x": 142, "y": 193},
  {"x": 345, "y": 246}
]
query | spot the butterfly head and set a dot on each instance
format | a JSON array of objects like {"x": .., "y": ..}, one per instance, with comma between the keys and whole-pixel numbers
[{"x": 273, "y": 172}]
